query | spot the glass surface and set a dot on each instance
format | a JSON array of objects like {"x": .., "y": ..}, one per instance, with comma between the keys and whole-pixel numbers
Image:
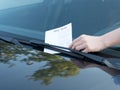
[
  {"x": 89, "y": 17},
  {"x": 25, "y": 68}
]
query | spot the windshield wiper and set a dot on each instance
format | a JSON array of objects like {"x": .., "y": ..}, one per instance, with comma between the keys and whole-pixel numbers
[
  {"x": 110, "y": 62},
  {"x": 11, "y": 40}
]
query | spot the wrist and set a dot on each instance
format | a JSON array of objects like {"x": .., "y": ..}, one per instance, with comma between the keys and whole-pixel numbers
[{"x": 105, "y": 41}]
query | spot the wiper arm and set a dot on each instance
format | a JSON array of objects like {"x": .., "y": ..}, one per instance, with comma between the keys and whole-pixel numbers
[
  {"x": 110, "y": 62},
  {"x": 11, "y": 40}
]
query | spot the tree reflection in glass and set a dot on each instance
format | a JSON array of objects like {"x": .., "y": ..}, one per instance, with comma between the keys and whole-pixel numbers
[{"x": 56, "y": 65}]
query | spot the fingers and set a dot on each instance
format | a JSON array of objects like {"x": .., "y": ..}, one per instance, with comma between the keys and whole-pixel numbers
[
  {"x": 75, "y": 42},
  {"x": 78, "y": 43},
  {"x": 80, "y": 47},
  {"x": 86, "y": 50},
  {"x": 83, "y": 47}
]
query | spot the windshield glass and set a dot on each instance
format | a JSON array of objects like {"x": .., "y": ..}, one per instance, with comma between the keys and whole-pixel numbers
[{"x": 33, "y": 17}]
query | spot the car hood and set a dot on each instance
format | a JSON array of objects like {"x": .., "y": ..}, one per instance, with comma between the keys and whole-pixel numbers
[{"x": 29, "y": 69}]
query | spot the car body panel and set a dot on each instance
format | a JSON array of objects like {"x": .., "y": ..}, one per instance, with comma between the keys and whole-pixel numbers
[{"x": 27, "y": 68}]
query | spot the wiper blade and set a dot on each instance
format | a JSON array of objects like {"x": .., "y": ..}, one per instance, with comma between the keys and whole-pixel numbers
[
  {"x": 64, "y": 49},
  {"x": 110, "y": 62}
]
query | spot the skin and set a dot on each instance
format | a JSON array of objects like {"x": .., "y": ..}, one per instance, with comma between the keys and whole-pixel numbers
[{"x": 88, "y": 43}]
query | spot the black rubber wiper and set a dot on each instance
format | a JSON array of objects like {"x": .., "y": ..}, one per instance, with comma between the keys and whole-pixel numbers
[{"x": 110, "y": 62}]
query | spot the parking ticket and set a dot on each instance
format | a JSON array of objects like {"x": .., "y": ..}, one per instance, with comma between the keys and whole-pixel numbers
[{"x": 61, "y": 36}]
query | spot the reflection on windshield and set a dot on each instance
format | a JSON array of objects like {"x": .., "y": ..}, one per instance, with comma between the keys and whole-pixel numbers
[
  {"x": 39, "y": 16},
  {"x": 22, "y": 32},
  {"x": 43, "y": 15},
  {"x": 109, "y": 28},
  {"x": 5, "y": 4},
  {"x": 57, "y": 68},
  {"x": 54, "y": 66}
]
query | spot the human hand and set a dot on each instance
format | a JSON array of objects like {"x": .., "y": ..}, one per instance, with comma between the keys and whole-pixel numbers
[{"x": 88, "y": 43}]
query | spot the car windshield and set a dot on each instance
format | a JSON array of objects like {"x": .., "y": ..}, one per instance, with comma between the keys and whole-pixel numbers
[{"x": 32, "y": 18}]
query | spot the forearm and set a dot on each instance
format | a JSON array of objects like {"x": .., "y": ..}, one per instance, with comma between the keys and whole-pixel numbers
[{"x": 111, "y": 38}]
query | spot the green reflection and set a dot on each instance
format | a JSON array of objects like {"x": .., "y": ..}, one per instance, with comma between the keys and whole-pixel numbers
[
  {"x": 59, "y": 68},
  {"x": 56, "y": 66}
]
